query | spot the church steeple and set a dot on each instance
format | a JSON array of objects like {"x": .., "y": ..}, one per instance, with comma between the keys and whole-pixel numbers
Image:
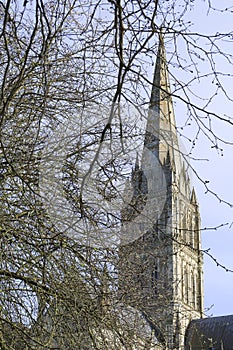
[
  {"x": 161, "y": 270},
  {"x": 161, "y": 135},
  {"x": 160, "y": 93}
]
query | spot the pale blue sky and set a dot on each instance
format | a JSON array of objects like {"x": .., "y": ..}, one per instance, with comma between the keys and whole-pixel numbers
[{"x": 218, "y": 170}]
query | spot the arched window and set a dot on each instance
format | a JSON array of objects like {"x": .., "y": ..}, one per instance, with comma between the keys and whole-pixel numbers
[
  {"x": 198, "y": 293},
  {"x": 186, "y": 286},
  {"x": 196, "y": 232},
  {"x": 191, "y": 230},
  {"x": 182, "y": 281},
  {"x": 180, "y": 218},
  {"x": 193, "y": 281},
  {"x": 184, "y": 226},
  {"x": 176, "y": 216}
]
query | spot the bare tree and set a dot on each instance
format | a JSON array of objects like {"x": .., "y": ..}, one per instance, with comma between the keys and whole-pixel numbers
[{"x": 84, "y": 67}]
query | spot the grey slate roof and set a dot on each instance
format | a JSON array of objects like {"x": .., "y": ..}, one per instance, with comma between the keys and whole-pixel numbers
[{"x": 210, "y": 333}]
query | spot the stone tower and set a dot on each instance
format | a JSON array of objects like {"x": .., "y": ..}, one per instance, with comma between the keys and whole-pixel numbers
[{"x": 160, "y": 272}]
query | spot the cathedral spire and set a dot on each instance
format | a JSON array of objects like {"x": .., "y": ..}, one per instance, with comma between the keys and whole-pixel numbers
[
  {"x": 161, "y": 83},
  {"x": 161, "y": 270},
  {"x": 161, "y": 127}
]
